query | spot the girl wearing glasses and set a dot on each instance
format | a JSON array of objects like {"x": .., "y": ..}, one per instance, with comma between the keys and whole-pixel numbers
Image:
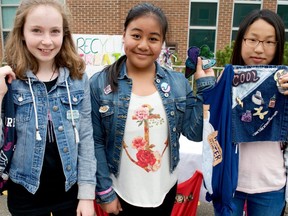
[{"x": 262, "y": 174}]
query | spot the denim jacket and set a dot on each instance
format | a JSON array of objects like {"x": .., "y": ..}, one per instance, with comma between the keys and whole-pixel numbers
[
  {"x": 78, "y": 159},
  {"x": 183, "y": 110}
]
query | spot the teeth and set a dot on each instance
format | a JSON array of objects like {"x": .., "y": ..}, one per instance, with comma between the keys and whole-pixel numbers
[{"x": 45, "y": 50}]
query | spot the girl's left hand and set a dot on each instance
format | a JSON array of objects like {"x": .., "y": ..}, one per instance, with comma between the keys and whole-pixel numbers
[
  {"x": 202, "y": 73},
  {"x": 283, "y": 81},
  {"x": 85, "y": 208}
]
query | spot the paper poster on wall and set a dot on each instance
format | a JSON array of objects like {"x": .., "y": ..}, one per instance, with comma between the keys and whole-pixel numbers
[{"x": 98, "y": 51}]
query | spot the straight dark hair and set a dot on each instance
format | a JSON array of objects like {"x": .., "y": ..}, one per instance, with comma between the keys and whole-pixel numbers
[
  {"x": 271, "y": 18},
  {"x": 140, "y": 10}
]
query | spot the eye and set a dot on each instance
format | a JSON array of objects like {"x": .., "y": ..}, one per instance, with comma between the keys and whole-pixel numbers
[
  {"x": 36, "y": 30},
  {"x": 136, "y": 36},
  {"x": 55, "y": 31},
  {"x": 154, "y": 39}
]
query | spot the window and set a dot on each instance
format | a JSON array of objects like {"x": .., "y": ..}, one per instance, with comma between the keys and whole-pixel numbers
[
  {"x": 282, "y": 12},
  {"x": 241, "y": 9},
  {"x": 203, "y": 19}
]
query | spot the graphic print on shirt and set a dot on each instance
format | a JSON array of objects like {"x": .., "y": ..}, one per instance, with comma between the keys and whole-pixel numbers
[{"x": 146, "y": 157}]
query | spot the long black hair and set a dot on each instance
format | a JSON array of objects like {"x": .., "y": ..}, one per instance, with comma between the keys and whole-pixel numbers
[
  {"x": 271, "y": 18},
  {"x": 137, "y": 11}
]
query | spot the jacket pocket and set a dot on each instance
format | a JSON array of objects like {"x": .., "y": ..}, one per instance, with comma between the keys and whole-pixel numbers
[
  {"x": 106, "y": 111},
  {"x": 180, "y": 110},
  {"x": 24, "y": 106}
]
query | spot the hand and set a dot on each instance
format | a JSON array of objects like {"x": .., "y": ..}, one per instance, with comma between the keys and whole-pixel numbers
[
  {"x": 113, "y": 207},
  {"x": 85, "y": 208},
  {"x": 202, "y": 73},
  {"x": 283, "y": 81},
  {"x": 5, "y": 71}
]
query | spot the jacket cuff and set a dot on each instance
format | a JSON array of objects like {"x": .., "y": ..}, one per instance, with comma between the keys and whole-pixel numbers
[
  {"x": 205, "y": 83},
  {"x": 105, "y": 197},
  {"x": 86, "y": 191}
]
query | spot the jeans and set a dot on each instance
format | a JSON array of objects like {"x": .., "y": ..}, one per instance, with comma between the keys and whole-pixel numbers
[{"x": 260, "y": 204}]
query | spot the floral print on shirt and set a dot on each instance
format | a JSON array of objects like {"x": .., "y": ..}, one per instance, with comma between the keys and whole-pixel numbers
[{"x": 146, "y": 157}]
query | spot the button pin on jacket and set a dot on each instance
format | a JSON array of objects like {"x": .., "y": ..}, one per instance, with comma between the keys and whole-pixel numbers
[
  {"x": 258, "y": 112},
  {"x": 257, "y": 98},
  {"x": 165, "y": 87},
  {"x": 104, "y": 109},
  {"x": 107, "y": 89}
]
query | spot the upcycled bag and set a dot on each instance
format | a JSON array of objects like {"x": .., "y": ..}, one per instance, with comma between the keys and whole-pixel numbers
[{"x": 8, "y": 139}]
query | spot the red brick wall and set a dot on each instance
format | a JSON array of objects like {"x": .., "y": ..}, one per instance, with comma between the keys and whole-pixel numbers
[
  {"x": 107, "y": 17},
  {"x": 224, "y": 23}
]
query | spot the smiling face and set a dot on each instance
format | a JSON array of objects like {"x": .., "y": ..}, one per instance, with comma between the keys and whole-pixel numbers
[
  {"x": 143, "y": 41},
  {"x": 262, "y": 31},
  {"x": 43, "y": 33}
]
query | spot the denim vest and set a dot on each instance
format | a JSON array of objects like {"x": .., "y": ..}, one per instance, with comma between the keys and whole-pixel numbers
[
  {"x": 259, "y": 109},
  {"x": 109, "y": 113},
  {"x": 78, "y": 160}
]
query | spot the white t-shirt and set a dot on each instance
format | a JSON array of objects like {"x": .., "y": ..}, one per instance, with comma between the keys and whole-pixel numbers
[
  {"x": 261, "y": 167},
  {"x": 144, "y": 178}
]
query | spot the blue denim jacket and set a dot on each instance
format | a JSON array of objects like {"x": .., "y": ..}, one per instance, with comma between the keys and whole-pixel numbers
[
  {"x": 259, "y": 110},
  {"x": 183, "y": 110},
  {"x": 78, "y": 160}
]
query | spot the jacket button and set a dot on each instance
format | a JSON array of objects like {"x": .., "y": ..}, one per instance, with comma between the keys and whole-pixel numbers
[
  {"x": 158, "y": 80},
  {"x": 166, "y": 95},
  {"x": 20, "y": 99},
  {"x": 60, "y": 128},
  {"x": 55, "y": 108},
  {"x": 65, "y": 149},
  {"x": 68, "y": 168},
  {"x": 175, "y": 145},
  {"x": 75, "y": 99},
  {"x": 174, "y": 129},
  {"x": 172, "y": 113}
]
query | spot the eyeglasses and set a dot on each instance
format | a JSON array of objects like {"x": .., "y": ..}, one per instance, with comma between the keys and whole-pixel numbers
[{"x": 254, "y": 43}]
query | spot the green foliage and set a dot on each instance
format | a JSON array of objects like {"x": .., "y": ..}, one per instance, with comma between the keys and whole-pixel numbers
[
  {"x": 285, "y": 60},
  {"x": 224, "y": 56}
]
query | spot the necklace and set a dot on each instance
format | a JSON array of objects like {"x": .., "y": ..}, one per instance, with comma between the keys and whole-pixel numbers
[{"x": 52, "y": 75}]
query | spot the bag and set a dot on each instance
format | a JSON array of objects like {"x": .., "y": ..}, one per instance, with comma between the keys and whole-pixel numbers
[{"x": 8, "y": 138}]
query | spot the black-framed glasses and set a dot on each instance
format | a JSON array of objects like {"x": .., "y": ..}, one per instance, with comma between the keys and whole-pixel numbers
[{"x": 254, "y": 43}]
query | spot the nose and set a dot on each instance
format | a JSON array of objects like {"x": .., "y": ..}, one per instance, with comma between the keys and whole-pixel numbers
[
  {"x": 46, "y": 40},
  {"x": 143, "y": 44},
  {"x": 260, "y": 47}
]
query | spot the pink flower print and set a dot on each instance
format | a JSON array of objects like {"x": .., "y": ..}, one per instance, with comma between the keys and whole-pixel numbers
[
  {"x": 145, "y": 159},
  {"x": 138, "y": 143},
  {"x": 142, "y": 113}
]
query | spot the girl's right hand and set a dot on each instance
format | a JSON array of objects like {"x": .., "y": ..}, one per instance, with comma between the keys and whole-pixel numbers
[
  {"x": 113, "y": 207},
  {"x": 5, "y": 71}
]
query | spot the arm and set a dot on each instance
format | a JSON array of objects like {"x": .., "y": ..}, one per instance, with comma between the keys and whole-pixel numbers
[
  {"x": 5, "y": 72},
  {"x": 105, "y": 195},
  {"x": 86, "y": 157},
  {"x": 193, "y": 119}
]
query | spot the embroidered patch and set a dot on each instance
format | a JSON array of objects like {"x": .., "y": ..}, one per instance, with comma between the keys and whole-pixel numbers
[
  {"x": 180, "y": 198},
  {"x": 216, "y": 148},
  {"x": 75, "y": 114}
]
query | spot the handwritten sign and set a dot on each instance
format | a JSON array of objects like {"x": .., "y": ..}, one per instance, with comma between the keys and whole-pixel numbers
[{"x": 98, "y": 51}]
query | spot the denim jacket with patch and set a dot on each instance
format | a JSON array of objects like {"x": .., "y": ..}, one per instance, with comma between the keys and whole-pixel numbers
[
  {"x": 183, "y": 111},
  {"x": 78, "y": 160}
]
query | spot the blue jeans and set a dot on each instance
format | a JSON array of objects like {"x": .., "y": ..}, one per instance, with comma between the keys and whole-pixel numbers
[{"x": 260, "y": 204}]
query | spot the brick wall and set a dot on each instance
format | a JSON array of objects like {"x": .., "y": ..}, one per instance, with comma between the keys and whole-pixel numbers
[{"x": 107, "y": 17}]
